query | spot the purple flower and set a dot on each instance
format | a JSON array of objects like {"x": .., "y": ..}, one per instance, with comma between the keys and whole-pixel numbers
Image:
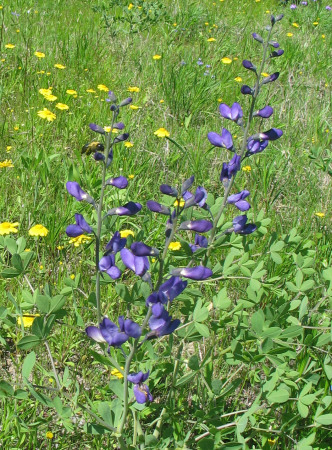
[
  {"x": 230, "y": 169},
  {"x": 304, "y": 3},
  {"x": 200, "y": 242},
  {"x": 193, "y": 273},
  {"x": 116, "y": 244},
  {"x": 97, "y": 128},
  {"x": 200, "y": 226},
  {"x": 119, "y": 182},
  {"x": 141, "y": 391},
  {"x": 293, "y": 6},
  {"x": 240, "y": 225},
  {"x": 277, "y": 53},
  {"x": 328, "y": 8},
  {"x": 141, "y": 249},
  {"x": 198, "y": 199},
  {"x": 270, "y": 78},
  {"x": 187, "y": 184},
  {"x": 274, "y": 44},
  {"x": 246, "y": 90},
  {"x": 270, "y": 135},
  {"x": 80, "y": 227},
  {"x": 200, "y": 62},
  {"x": 99, "y": 156},
  {"x": 125, "y": 102},
  {"x": 233, "y": 113},
  {"x": 224, "y": 140},
  {"x": 255, "y": 146},
  {"x": 167, "y": 292},
  {"x": 75, "y": 190},
  {"x": 161, "y": 323},
  {"x": 111, "y": 97},
  {"x": 110, "y": 333},
  {"x": 107, "y": 264},
  {"x": 248, "y": 65},
  {"x": 121, "y": 138},
  {"x": 265, "y": 112},
  {"x": 257, "y": 37},
  {"x": 158, "y": 208},
  {"x": 138, "y": 264},
  {"x": 168, "y": 190},
  {"x": 129, "y": 209},
  {"x": 238, "y": 200},
  {"x": 119, "y": 125}
]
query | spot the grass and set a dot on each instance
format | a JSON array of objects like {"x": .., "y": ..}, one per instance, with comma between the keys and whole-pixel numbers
[{"x": 99, "y": 46}]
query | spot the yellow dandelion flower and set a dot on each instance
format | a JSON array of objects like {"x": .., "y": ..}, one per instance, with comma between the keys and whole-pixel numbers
[
  {"x": 6, "y": 163},
  {"x": 264, "y": 74},
  {"x": 27, "y": 319},
  {"x": 49, "y": 435},
  {"x": 117, "y": 373},
  {"x": 226, "y": 60},
  {"x": 246, "y": 168},
  {"x": 39, "y": 55},
  {"x": 38, "y": 230},
  {"x": 79, "y": 240},
  {"x": 130, "y": 6},
  {"x": 27, "y": 250},
  {"x": 8, "y": 148},
  {"x": 50, "y": 97},
  {"x": 128, "y": 144},
  {"x": 179, "y": 203},
  {"x": 126, "y": 233},
  {"x": 102, "y": 87},
  {"x": 271, "y": 441},
  {"x": 59, "y": 66},
  {"x": 9, "y": 46},
  {"x": 320, "y": 214},
  {"x": 296, "y": 25},
  {"x": 46, "y": 114},
  {"x": 72, "y": 276},
  {"x": 133, "y": 89},
  {"x": 174, "y": 246},
  {"x": 211, "y": 39},
  {"x": 174, "y": 24},
  {"x": 315, "y": 23},
  {"x": 62, "y": 106},
  {"x": 161, "y": 101},
  {"x": 107, "y": 129},
  {"x": 206, "y": 23},
  {"x": 289, "y": 34},
  {"x": 219, "y": 99},
  {"x": 71, "y": 92},
  {"x": 92, "y": 91},
  {"x": 131, "y": 176},
  {"x": 238, "y": 79},
  {"x": 156, "y": 57},
  {"x": 134, "y": 107},
  {"x": 16, "y": 128},
  {"x": 7, "y": 228},
  {"x": 162, "y": 132},
  {"x": 323, "y": 36}
]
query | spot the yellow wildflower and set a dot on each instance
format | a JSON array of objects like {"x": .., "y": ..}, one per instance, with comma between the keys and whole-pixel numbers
[
  {"x": 133, "y": 89},
  {"x": 126, "y": 233},
  {"x": 128, "y": 144},
  {"x": 49, "y": 435},
  {"x": 46, "y": 114},
  {"x": 174, "y": 246},
  {"x": 9, "y": 46},
  {"x": 156, "y": 57},
  {"x": 117, "y": 373},
  {"x": 71, "y": 92},
  {"x": 315, "y": 23},
  {"x": 161, "y": 101},
  {"x": 320, "y": 214},
  {"x": 78, "y": 240},
  {"x": 289, "y": 34},
  {"x": 27, "y": 319},
  {"x": 45, "y": 91},
  {"x": 38, "y": 230},
  {"x": 264, "y": 74},
  {"x": 130, "y": 6},
  {"x": 72, "y": 276},
  {"x": 8, "y": 148},
  {"x": 238, "y": 79},
  {"x": 102, "y": 87},
  {"x": 7, "y": 228},
  {"x": 50, "y": 97},
  {"x": 226, "y": 60},
  {"x": 296, "y": 25},
  {"x": 59, "y": 66},
  {"x": 162, "y": 132},
  {"x": 246, "y": 169},
  {"x": 39, "y": 55},
  {"x": 134, "y": 107},
  {"x": 6, "y": 163},
  {"x": 62, "y": 106},
  {"x": 92, "y": 91},
  {"x": 131, "y": 176},
  {"x": 179, "y": 203},
  {"x": 211, "y": 39}
]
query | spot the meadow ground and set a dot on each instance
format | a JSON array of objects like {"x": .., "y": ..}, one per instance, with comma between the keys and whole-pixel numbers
[{"x": 178, "y": 60}]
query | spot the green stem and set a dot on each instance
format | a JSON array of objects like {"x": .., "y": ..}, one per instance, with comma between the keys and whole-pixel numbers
[{"x": 53, "y": 366}]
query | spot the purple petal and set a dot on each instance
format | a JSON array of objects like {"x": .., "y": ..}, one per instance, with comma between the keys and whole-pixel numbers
[
  {"x": 106, "y": 262},
  {"x": 119, "y": 182},
  {"x": 95, "y": 334},
  {"x": 142, "y": 393},
  {"x": 141, "y": 249},
  {"x": 194, "y": 273},
  {"x": 74, "y": 231},
  {"x": 80, "y": 221},
  {"x": 215, "y": 139},
  {"x": 128, "y": 259},
  {"x": 118, "y": 339},
  {"x": 107, "y": 328},
  {"x": 239, "y": 222},
  {"x": 132, "y": 329},
  {"x": 200, "y": 226},
  {"x": 265, "y": 112},
  {"x": 75, "y": 190},
  {"x": 225, "y": 111},
  {"x": 246, "y": 90},
  {"x": 168, "y": 190},
  {"x": 114, "y": 272},
  {"x": 96, "y": 128},
  {"x": 242, "y": 205},
  {"x": 158, "y": 208},
  {"x": 119, "y": 126}
]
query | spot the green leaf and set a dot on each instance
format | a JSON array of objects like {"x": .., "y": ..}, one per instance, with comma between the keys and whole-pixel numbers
[
  {"x": 257, "y": 321},
  {"x": 105, "y": 411},
  {"x": 193, "y": 363},
  {"x": 28, "y": 342},
  {"x": 38, "y": 327},
  {"x": 28, "y": 363},
  {"x": 151, "y": 441},
  {"x": 308, "y": 284},
  {"x": 117, "y": 387},
  {"x": 43, "y": 303},
  {"x": 123, "y": 292},
  {"x": 308, "y": 399},
  {"x": 201, "y": 312},
  {"x": 5, "y": 389},
  {"x": 56, "y": 303},
  {"x": 291, "y": 332},
  {"x": 278, "y": 396},
  {"x": 276, "y": 257},
  {"x": 277, "y": 246},
  {"x": 10, "y": 243},
  {"x": 11, "y": 272},
  {"x": 185, "y": 379},
  {"x": 302, "y": 409},
  {"x": 221, "y": 300},
  {"x": 17, "y": 262},
  {"x": 202, "y": 329},
  {"x": 325, "y": 419}
]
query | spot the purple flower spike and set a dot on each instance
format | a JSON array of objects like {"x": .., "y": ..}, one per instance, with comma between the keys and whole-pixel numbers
[
  {"x": 255, "y": 146},
  {"x": 200, "y": 226},
  {"x": 107, "y": 264},
  {"x": 129, "y": 209},
  {"x": 248, "y": 65},
  {"x": 138, "y": 264},
  {"x": 80, "y": 227},
  {"x": 277, "y": 53},
  {"x": 139, "y": 377},
  {"x": 240, "y": 225},
  {"x": 238, "y": 200},
  {"x": 161, "y": 323},
  {"x": 132, "y": 329},
  {"x": 141, "y": 249},
  {"x": 257, "y": 37},
  {"x": 168, "y": 190},
  {"x": 265, "y": 112},
  {"x": 224, "y": 140},
  {"x": 193, "y": 273},
  {"x": 233, "y": 113},
  {"x": 246, "y": 90},
  {"x": 141, "y": 391},
  {"x": 200, "y": 242},
  {"x": 270, "y": 78},
  {"x": 97, "y": 128},
  {"x": 158, "y": 208},
  {"x": 230, "y": 169},
  {"x": 75, "y": 190},
  {"x": 119, "y": 182},
  {"x": 116, "y": 244}
]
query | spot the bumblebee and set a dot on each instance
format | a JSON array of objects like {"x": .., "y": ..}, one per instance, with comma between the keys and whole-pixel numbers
[{"x": 92, "y": 147}]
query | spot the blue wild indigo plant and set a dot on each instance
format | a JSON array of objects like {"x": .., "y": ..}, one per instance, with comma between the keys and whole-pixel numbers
[{"x": 188, "y": 210}]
